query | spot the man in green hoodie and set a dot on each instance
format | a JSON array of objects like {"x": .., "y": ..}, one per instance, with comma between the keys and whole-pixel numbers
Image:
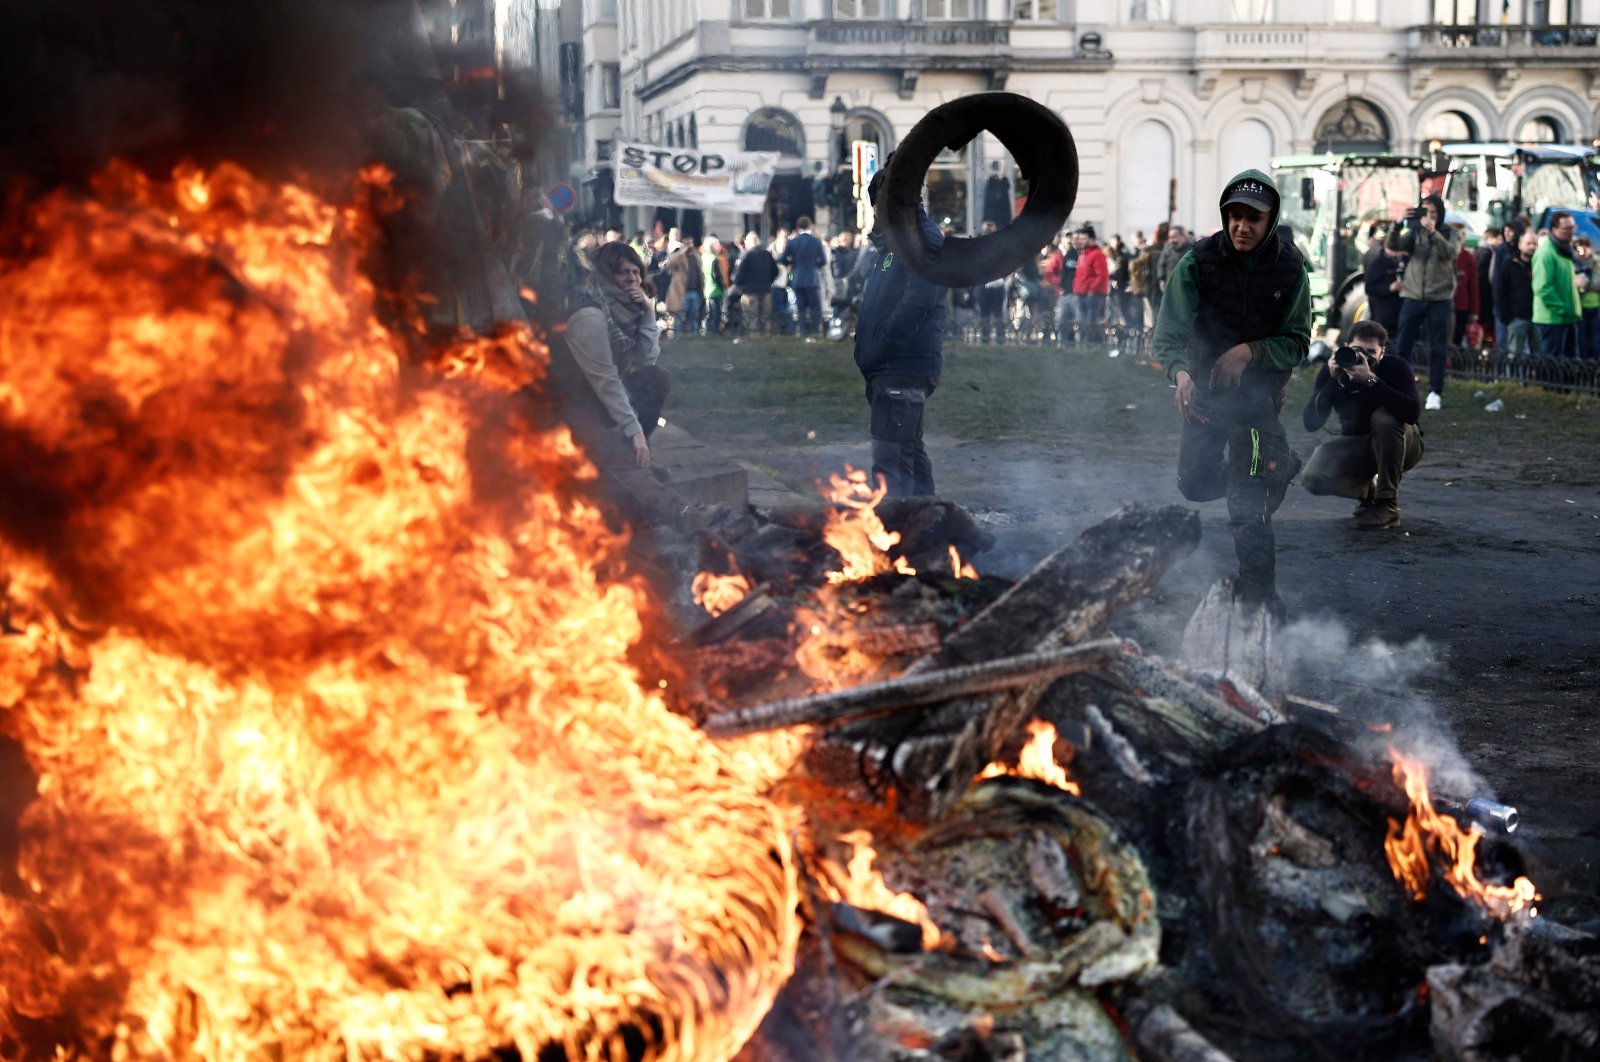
[
  {"x": 1235, "y": 320},
  {"x": 1556, "y": 310}
]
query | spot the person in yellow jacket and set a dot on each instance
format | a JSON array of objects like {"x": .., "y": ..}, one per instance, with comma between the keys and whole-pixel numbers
[{"x": 1556, "y": 310}]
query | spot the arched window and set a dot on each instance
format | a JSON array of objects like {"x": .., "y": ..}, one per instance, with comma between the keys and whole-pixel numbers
[
  {"x": 1540, "y": 129},
  {"x": 1354, "y": 125},
  {"x": 1450, "y": 127},
  {"x": 1148, "y": 156},
  {"x": 774, "y": 129},
  {"x": 1247, "y": 145}
]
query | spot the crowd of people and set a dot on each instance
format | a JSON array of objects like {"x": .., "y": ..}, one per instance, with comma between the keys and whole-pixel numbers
[
  {"x": 791, "y": 283},
  {"x": 1520, "y": 293}
]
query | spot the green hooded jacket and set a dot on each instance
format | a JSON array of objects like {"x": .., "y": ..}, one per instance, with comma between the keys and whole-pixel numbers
[{"x": 1181, "y": 302}]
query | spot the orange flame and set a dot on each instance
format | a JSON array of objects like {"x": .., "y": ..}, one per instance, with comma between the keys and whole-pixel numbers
[
  {"x": 856, "y": 532},
  {"x": 1037, "y": 761},
  {"x": 1427, "y": 837},
  {"x": 959, "y": 568},
  {"x": 862, "y": 886},
  {"x": 335, "y": 758},
  {"x": 828, "y": 648},
  {"x": 718, "y": 593}
]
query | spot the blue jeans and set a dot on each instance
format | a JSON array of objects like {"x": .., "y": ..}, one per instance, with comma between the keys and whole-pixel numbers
[
  {"x": 689, "y": 317},
  {"x": 1429, "y": 323},
  {"x": 1091, "y": 312},
  {"x": 1558, "y": 340},
  {"x": 1066, "y": 314}
]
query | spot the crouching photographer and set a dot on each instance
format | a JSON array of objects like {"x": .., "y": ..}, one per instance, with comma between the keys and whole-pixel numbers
[{"x": 1379, "y": 439}]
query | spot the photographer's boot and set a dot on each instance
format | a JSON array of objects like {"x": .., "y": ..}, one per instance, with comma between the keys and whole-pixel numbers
[
  {"x": 1368, "y": 497},
  {"x": 1382, "y": 513}
]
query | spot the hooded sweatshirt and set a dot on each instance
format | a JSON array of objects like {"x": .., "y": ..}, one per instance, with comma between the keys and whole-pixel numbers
[
  {"x": 1431, "y": 270},
  {"x": 1218, "y": 297}
]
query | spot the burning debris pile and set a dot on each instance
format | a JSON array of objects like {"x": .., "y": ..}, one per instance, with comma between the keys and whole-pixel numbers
[
  {"x": 1211, "y": 876},
  {"x": 318, "y": 663}
]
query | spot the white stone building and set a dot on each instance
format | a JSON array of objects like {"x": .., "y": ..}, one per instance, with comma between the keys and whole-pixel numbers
[{"x": 1165, "y": 98}]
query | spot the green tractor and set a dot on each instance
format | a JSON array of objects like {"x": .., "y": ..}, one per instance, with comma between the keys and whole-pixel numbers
[{"x": 1331, "y": 201}]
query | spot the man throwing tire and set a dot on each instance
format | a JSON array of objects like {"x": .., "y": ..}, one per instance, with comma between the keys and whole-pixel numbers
[{"x": 1235, "y": 320}]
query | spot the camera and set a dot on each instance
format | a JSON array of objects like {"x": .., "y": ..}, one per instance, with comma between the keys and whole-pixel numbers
[{"x": 1348, "y": 357}]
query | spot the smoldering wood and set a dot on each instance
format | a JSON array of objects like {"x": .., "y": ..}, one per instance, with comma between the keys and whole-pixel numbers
[
  {"x": 719, "y": 629},
  {"x": 926, "y": 759},
  {"x": 915, "y": 690}
]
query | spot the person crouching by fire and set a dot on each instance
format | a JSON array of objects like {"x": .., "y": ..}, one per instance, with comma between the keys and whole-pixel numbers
[
  {"x": 603, "y": 367},
  {"x": 1235, "y": 320},
  {"x": 899, "y": 350},
  {"x": 1375, "y": 395}
]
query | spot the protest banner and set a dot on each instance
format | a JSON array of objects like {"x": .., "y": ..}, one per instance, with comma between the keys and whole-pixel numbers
[{"x": 692, "y": 178}]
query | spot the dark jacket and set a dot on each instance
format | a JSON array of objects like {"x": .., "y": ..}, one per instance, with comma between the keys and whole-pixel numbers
[
  {"x": 1217, "y": 297},
  {"x": 755, "y": 272},
  {"x": 1485, "y": 257},
  {"x": 1396, "y": 391},
  {"x": 900, "y": 330},
  {"x": 1513, "y": 289},
  {"x": 805, "y": 256},
  {"x": 1381, "y": 272}
]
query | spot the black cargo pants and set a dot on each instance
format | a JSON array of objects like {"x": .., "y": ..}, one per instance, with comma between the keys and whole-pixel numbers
[
  {"x": 1242, "y": 454},
  {"x": 898, "y": 404}
]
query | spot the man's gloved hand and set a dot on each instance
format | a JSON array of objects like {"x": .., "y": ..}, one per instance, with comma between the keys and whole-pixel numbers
[{"x": 1229, "y": 367}]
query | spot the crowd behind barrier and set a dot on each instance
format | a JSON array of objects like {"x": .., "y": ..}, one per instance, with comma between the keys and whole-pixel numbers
[{"x": 1076, "y": 294}]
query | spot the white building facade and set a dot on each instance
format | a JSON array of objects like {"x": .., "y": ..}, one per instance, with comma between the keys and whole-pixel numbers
[{"x": 1165, "y": 98}]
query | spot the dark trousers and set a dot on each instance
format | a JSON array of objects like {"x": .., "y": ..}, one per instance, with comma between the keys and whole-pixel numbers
[
  {"x": 1243, "y": 456},
  {"x": 647, "y": 389},
  {"x": 898, "y": 404},
  {"x": 1346, "y": 466},
  {"x": 1427, "y": 323},
  {"x": 992, "y": 311},
  {"x": 1589, "y": 334},
  {"x": 1558, "y": 340},
  {"x": 808, "y": 301}
]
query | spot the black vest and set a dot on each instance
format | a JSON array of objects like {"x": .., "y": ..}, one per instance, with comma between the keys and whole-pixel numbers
[{"x": 1237, "y": 306}]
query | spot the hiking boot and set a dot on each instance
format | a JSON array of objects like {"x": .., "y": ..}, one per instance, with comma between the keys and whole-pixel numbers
[
  {"x": 1368, "y": 497},
  {"x": 1434, "y": 401},
  {"x": 1285, "y": 466},
  {"x": 1383, "y": 512}
]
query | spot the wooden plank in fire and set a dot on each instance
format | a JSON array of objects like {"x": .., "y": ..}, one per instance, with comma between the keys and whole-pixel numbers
[{"x": 924, "y": 761}]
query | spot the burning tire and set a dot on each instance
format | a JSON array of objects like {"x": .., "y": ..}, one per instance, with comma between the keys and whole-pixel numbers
[{"x": 1043, "y": 147}]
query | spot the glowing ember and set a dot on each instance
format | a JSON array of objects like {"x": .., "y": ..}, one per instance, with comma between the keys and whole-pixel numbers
[
  {"x": 1427, "y": 837},
  {"x": 827, "y": 644},
  {"x": 718, "y": 593},
  {"x": 339, "y": 754},
  {"x": 960, "y": 568},
  {"x": 1038, "y": 760},
  {"x": 855, "y": 531},
  {"x": 862, "y": 886}
]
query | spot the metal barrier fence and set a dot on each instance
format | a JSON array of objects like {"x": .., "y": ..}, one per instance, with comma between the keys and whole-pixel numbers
[
  {"x": 1486, "y": 365},
  {"x": 1574, "y": 375}
]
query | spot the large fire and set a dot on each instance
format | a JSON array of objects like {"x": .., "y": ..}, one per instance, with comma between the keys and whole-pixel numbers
[
  {"x": 338, "y": 751},
  {"x": 1426, "y": 837},
  {"x": 856, "y": 531}
]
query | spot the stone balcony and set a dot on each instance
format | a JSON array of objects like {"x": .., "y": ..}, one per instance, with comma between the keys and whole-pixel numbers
[{"x": 1574, "y": 46}]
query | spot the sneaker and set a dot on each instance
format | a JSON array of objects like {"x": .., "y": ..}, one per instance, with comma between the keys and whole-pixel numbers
[
  {"x": 1383, "y": 512},
  {"x": 1434, "y": 401}
]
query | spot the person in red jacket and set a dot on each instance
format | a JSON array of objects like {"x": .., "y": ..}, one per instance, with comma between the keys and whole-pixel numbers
[
  {"x": 1091, "y": 283},
  {"x": 1467, "y": 309}
]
